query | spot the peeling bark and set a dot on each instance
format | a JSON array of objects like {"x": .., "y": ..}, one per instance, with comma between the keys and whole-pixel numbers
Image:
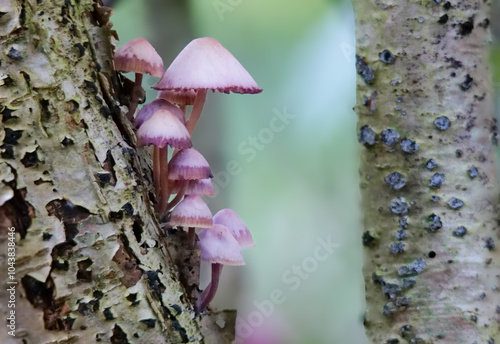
[
  {"x": 92, "y": 262},
  {"x": 428, "y": 173}
]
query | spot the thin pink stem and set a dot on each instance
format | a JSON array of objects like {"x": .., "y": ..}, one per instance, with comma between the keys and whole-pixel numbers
[
  {"x": 192, "y": 237},
  {"x": 201, "y": 95},
  {"x": 156, "y": 171},
  {"x": 136, "y": 92},
  {"x": 165, "y": 190},
  {"x": 179, "y": 196},
  {"x": 209, "y": 293}
]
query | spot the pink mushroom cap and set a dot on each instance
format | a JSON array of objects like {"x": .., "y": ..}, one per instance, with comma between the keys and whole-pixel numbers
[
  {"x": 179, "y": 97},
  {"x": 202, "y": 187},
  {"x": 205, "y": 64},
  {"x": 192, "y": 211},
  {"x": 239, "y": 230},
  {"x": 164, "y": 128},
  {"x": 189, "y": 164},
  {"x": 140, "y": 57},
  {"x": 218, "y": 246},
  {"x": 149, "y": 109}
]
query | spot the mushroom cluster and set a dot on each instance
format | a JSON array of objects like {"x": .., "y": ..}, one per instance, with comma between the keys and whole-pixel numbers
[{"x": 203, "y": 65}]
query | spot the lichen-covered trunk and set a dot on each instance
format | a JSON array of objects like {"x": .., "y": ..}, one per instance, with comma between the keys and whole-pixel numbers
[
  {"x": 428, "y": 172},
  {"x": 91, "y": 263}
]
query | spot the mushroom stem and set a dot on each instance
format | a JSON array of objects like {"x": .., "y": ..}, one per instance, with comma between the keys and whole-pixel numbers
[
  {"x": 192, "y": 237},
  {"x": 156, "y": 171},
  {"x": 201, "y": 95},
  {"x": 136, "y": 93},
  {"x": 209, "y": 293},
  {"x": 164, "y": 186},
  {"x": 178, "y": 197}
]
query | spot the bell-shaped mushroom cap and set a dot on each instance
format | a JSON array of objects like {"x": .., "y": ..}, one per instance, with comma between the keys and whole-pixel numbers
[
  {"x": 140, "y": 57},
  {"x": 164, "y": 128},
  {"x": 239, "y": 230},
  {"x": 179, "y": 97},
  {"x": 191, "y": 212},
  {"x": 219, "y": 246},
  {"x": 205, "y": 64},
  {"x": 201, "y": 187},
  {"x": 149, "y": 109},
  {"x": 189, "y": 164}
]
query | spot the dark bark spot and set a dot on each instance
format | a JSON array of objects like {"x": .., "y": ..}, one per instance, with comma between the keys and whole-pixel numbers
[
  {"x": 437, "y": 180},
  {"x": 7, "y": 114},
  {"x": 30, "y": 159},
  {"x": 447, "y": 5},
  {"x": 443, "y": 19},
  {"x": 67, "y": 142},
  {"x": 459, "y": 153},
  {"x": 399, "y": 206},
  {"x": 460, "y": 231},
  {"x": 390, "y": 137},
  {"x": 119, "y": 337},
  {"x": 364, "y": 70},
  {"x": 466, "y": 28},
  {"x": 490, "y": 244},
  {"x": 387, "y": 57},
  {"x": 137, "y": 229},
  {"x": 128, "y": 209},
  {"x": 154, "y": 283},
  {"x": 395, "y": 181},
  {"x": 435, "y": 222},
  {"x": 66, "y": 211},
  {"x": 455, "y": 203},
  {"x": 7, "y": 152},
  {"x": 368, "y": 239},
  {"x": 442, "y": 123},
  {"x": 431, "y": 254},
  {"x": 14, "y": 54},
  {"x": 149, "y": 322},
  {"x": 108, "y": 314},
  {"x": 473, "y": 172},
  {"x": 84, "y": 273},
  {"x": 46, "y": 236},
  {"x": 11, "y": 136},
  {"x": 409, "y": 146},
  {"x": 401, "y": 234},
  {"x": 367, "y": 136},
  {"x": 104, "y": 178},
  {"x": 397, "y": 247},
  {"x": 467, "y": 83}
]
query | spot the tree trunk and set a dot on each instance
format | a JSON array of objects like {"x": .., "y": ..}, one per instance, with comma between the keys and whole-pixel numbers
[
  {"x": 428, "y": 172},
  {"x": 91, "y": 262}
]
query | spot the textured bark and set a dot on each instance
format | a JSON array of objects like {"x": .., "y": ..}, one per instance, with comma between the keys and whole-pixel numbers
[
  {"x": 418, "y": 61},
  {"x": 92, "y": 263}
]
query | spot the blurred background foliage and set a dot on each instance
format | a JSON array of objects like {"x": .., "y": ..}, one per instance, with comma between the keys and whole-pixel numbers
[{"x": 297, "y": 185}]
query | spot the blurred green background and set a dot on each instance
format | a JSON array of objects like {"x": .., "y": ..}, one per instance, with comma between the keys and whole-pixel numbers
[{"x": 294, "y": 187}]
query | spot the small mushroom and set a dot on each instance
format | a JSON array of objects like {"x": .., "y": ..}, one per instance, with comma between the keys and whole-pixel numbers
[
  {"x": 220, "y": 248},
  {"x": 204, "y": 64},
  {"x": 191, "y": 212},
  {"x": 138, "y": 56},
  {"x": 185, "y": 166},
  {"x": 239, "y": 230},
  {"x": 163, "y": 128},
  {"x": 200, "y": 187}
]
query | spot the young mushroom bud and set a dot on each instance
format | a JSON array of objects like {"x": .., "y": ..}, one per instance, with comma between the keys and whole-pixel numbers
[
  {"x": 138, "y": 56},
  {"x": 219, "y": 247},
  {"x": 185, "y": 166},
  {"x": 192, "y": 212}
]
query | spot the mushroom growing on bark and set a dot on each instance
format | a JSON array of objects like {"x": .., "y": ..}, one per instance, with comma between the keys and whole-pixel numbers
[
  {"x": 138, "y": 56},
  {"x": 220, "y": 248},
  {"x": 191, "y": 212},
  {"x": 162, "y": 128},
  {"x": 239, "y": 230},
  {"x": 185, "y": 166},
  {"x": 204, "y": 64}
]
